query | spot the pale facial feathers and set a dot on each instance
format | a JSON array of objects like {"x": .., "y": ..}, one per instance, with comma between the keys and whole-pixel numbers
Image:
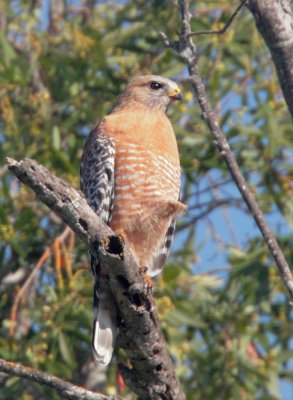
[{"x": 152, "y": 91}]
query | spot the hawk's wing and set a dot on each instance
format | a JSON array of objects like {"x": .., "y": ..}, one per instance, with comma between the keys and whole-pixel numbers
[
  {"x": 97, "y": 173},
  {"x": 97, "y": 184}
]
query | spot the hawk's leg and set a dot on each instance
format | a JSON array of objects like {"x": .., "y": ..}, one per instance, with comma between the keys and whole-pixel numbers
[{"x": 147, "y": 278}]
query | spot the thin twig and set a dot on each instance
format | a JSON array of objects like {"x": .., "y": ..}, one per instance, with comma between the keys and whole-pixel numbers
[
  {"x": 26, "y": 286},
  {"x": 3, "y": 169},
  {"x": 218, "y": 195},
  {"x": 224, "y": 29},
  {"x": 212, "y": 205},
  {"x": 186, "y": 49},
  {"x": 24, "y": 289},
  {"x": 65, "y": 389},
  {"x": 57, "y": 254}
]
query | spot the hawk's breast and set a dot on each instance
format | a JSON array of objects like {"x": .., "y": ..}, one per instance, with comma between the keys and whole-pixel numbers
[{"x": 147, "y": 168}]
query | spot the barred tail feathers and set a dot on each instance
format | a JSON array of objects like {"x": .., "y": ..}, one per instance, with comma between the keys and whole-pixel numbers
[
  {"x": 105, "y": 324},
  {"x": 163, "y": 253},
  {"x": 169, "y": 209}
]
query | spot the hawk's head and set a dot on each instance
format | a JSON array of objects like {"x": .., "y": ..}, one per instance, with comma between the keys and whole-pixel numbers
[{"x": 153, "y": 91}]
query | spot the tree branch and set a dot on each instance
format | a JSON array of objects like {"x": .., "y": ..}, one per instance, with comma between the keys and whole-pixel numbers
[
  {"x": 186, "y": 49},
  {"x": 56, "y": 16},
  {"x": 152, "y": 375},
  {"x": 274, "y": 21},
  {"x": 65, "y": 389}
]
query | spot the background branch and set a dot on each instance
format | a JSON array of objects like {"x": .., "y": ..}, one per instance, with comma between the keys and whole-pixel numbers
[
  {"x": 186, "y": 49},
  {"x": 152, "y": 375},
  {"x": 27, "y": 286},
  {"x": 65, "y": 389},
  {"x": 226, "y": 26}
]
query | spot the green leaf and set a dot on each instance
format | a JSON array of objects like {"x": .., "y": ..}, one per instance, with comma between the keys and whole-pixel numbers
[
  {"x": 7, "y": 52},
  {"x": 24, "y": 218},
  {"x": 64, "y": 348},
  {"x": 56, "y": 138},
  {"x": 171, "y": 273},
  {"x": 180, "y": 317}
]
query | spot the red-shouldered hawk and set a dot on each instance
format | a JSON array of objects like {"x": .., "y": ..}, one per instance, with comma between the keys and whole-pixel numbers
[{"x": 130, "y": 175}]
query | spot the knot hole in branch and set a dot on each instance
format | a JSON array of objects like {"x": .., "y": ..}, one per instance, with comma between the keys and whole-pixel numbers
[{"x": 114, "y": 244}]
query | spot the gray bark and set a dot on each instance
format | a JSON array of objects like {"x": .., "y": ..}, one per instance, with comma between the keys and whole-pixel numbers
[{"x": 65, "y": 389}]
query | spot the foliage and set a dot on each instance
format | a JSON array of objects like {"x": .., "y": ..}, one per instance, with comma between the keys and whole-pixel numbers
[{"x": 229, "y": 333}]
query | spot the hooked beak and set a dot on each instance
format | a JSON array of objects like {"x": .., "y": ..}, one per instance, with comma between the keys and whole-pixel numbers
[{"x": 175, "y": 94}]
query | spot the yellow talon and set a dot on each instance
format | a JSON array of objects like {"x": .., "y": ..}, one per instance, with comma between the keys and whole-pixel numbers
[
  {"x": 147, "y": 278},
  {"x": 149, "y": 281}
]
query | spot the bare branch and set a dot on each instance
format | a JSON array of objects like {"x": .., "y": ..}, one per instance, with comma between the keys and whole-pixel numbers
[
  {"x": 56, "y": 16},
  {"x": 185, "y": 48},
  {"x": 274, "y": 21},
  {"x": 152, "y": 375},
  {"x": 65, "y": 389},
  {"x": 3, "y": 21},
  {"x": 224, "y": 29},
  {"x": 211, "y": 206}
]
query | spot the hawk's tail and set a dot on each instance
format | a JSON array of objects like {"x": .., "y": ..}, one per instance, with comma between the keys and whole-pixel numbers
[{"x": 105, "y": 324}]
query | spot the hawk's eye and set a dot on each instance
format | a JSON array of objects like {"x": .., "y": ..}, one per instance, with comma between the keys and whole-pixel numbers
[{"x": 156, "y": 85}]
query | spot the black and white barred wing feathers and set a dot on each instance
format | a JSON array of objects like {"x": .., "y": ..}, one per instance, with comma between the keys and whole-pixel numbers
[
  {"x": 97, "y": 173},
  {"x": 97, "y": 184}
]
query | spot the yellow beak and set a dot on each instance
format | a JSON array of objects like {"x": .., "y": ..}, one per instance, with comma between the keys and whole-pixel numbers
[{"x": 175, "y": 94}]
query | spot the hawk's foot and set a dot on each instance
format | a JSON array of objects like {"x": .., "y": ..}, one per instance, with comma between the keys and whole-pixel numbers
[{"x": 148, "y": 279}]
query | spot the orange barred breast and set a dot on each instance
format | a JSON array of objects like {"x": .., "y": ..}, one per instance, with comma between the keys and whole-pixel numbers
[{"x": 147, "y": 168}]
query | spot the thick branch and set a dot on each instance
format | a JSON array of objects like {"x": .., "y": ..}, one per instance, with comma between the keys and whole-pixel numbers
[
  {"x": 187, "y": 50},
  {"x": 274, "y": 21},
  {"x": 152, "y": 375},
  {"x": 65, "y": 389}
]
